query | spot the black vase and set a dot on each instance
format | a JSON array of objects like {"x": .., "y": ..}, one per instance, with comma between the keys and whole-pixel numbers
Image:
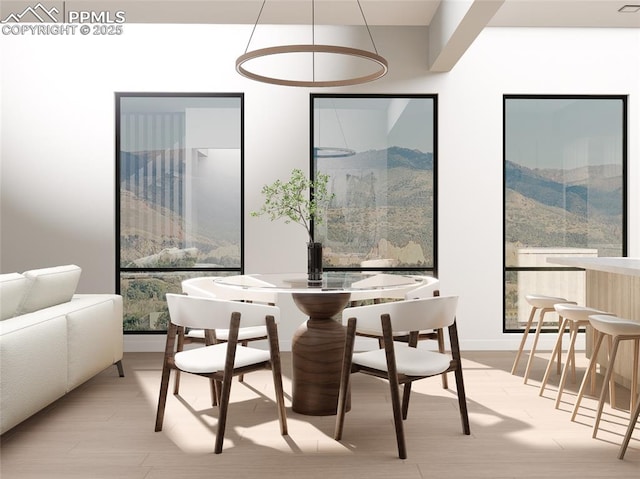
[{"x": 314, "y": 261}]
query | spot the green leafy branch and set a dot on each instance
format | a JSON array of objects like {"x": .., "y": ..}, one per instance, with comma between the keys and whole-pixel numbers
[{"x": 290, "y": 200}]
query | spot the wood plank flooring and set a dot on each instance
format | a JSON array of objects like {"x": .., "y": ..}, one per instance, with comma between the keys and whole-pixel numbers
[{"x": 104, "y": 429}]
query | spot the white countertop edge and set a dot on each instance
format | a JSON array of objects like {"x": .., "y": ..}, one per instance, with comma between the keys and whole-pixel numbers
[{"x": 626, "y": 266}]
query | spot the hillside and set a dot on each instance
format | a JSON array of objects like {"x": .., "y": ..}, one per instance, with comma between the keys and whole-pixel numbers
[{"x": 598, "y": 198}]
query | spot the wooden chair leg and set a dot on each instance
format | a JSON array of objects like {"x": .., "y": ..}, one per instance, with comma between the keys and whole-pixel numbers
[
  {"x": 572, "y": 357},
  {"x": 612, "y": 384},
  {"x": 406, "y": 394},
  {"x": 166, "y": 374},
  {"x": 345, "y": 377},
  {"x": 523, "y": 340},
  {"x": 634, "y": 375},
  {"x": 441, "y": 349},
  {"x": 570, "y": 353},
  {"x": 532, "y": 351},
  {"x": 397, "y": 415},
  {"x": 276, "y": 371},
  {"x": 632, "y": 425},
  {"x": 241, "y": 376},
  {"x": 179, "y": 347},
  {"x": 594, "y": 335},
  {"x": 588, "y": 374},
  {"x": 607, "y": 379},
  {"x": 162, "y": 399},
  {"x": 394, "y": 386},
  {"x": 176, "y": 383},
  {"x": 457, "y": 360},
  {"x": 554, "y": 353},
  {"x": 462, "y": 402},
  {"x": 222, "y": 413},
  {"x": 215, "y": 392}
]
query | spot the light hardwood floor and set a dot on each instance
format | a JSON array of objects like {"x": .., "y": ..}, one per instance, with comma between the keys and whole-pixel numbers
[{"x": 104, "y": 429}]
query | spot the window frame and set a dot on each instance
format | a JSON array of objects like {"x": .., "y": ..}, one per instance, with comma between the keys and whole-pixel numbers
[
  {"x": 118, "y": 268},
  {"x": 624, "y": 235},
  {"x": 433, "y": 270}
]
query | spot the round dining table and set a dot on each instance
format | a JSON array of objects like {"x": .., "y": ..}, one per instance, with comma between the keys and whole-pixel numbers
[{"x": 317, "y": 346}]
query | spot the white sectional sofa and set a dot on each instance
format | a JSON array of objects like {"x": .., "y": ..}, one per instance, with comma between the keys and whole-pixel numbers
[{"x": 51, "y": 339}]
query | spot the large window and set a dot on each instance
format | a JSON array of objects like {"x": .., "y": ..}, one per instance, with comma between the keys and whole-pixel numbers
[
  {"x": 179, "y": 196},
  {"x": 380, "y": 154},
  {"x": 564, "y": 193}
]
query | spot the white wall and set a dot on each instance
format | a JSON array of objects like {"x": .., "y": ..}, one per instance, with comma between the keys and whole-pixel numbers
[{"x": 58, "y": 155}]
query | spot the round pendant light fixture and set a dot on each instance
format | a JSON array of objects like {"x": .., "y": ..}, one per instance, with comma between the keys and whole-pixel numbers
[{"x": 371, "y": 57}]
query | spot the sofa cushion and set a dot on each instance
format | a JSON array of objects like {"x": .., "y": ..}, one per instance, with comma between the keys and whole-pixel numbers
[
  {"x": 13, "y": 287},
  {"x": 33, "y": 368},
  {"x": 50, "y": 286},
  {"x": 94, "y": 335}
]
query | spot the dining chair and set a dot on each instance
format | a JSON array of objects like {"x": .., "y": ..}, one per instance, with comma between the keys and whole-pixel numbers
[
  {"x": 428, "y": 289},
  {"x": 221, "y": 361},
  {"x": 206, "y": 287},
  {"x": 401, "y": 363}
]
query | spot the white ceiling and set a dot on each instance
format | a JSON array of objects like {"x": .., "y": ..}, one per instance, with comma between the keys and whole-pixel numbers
[
  {"x": 452, "y": 25},
  {"x": 510, "y": 13}
]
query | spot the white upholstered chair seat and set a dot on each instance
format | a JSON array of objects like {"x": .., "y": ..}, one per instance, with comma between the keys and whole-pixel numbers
[
  {"x": 541, "y": 301},
  {"x": 409, "y": 361},
  {"x": 211, "y": 359},
  {"x": 614, "y": 326}
]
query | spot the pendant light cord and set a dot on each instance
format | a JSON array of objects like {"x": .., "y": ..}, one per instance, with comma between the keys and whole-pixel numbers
[
  {"x": 254, "y": 26},
  {"x": 313, "y": 39},
  {"x": 368, "y": 30}
]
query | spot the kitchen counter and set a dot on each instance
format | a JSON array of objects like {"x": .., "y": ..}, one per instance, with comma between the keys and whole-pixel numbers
[
  {"x": 613, "y": 285},
  {"x": 626, "y": 266}
]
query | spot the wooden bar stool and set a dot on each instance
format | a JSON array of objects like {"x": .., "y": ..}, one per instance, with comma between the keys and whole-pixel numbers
[
  {"x": 618, "y": 330},
  {"x": 574, "y": 317},
  {"x": 545, "y": 305}
]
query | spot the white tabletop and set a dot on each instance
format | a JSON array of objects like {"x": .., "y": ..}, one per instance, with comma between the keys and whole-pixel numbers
[
  {"x": 618, "y": 265},
  {"x": 333, "y": 281}
]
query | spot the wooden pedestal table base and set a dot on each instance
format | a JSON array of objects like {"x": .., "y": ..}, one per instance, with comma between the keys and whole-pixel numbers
[{"x": 317, "y": 349}]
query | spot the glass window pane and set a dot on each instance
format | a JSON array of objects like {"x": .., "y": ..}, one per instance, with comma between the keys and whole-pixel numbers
[
  {"x": 565, "y": 284},
  {"x": 379, "y": 153},
  {"x": 563, "y": 177},
  {"x": 144, "y": 302},
  {"x": 180, "y": 166}
]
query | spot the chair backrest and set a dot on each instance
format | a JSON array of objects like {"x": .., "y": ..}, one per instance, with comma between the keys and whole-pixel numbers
[
  {"x": 212, "y": 313},
  {"x": 378, "y": 263},
  {"x": 206, "y": 287},
  {"x": 380, "y": 279},
  {"x": 427, "y": 290},
  {"x": 203, "y": 287},
  {"x": 411, "y": 315}
]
